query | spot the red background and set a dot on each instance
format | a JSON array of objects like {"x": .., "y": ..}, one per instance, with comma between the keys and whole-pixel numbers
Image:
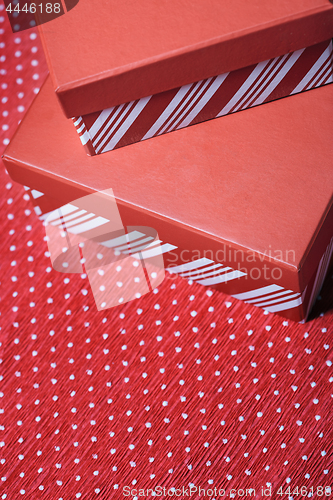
[{"x": 183, "y": 386}]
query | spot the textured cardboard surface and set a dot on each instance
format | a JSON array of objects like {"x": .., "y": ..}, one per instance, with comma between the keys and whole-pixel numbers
[
  {"x": 259, "y": 180},
  {"x": 104, "y": 53}
]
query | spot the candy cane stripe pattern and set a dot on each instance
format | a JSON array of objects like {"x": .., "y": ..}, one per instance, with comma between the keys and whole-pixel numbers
[
  {"x": 207, "y": 99},
  {"x": 141, "y": 246},
  {"x": 98, "y": 244}
]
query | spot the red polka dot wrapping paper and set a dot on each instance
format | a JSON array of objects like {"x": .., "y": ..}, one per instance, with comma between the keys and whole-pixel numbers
[{"x": 181, "y": 391}]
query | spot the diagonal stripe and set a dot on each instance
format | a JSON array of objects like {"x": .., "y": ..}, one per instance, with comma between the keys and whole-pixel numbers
[
  {"x": 188, "y": 102},
  {"x": 87, "y": 226},
  {"x": 285, "y": 306},
  {"x": 147, "y": 254},
  {"x": 258, "y": 292},
  {"x": 120, "y": 240},
  {"x": 167, "y": 112},
  {"x": 244, "y": 88},
  {"x": 223, "y": 278},
  {"x": 107, "y": 131},
  {"x": 277, "y": 79},
  {"x": 114, "y": 126},
  {"x": 323, "y": 76},
  {"x": 326, "y": 66},
  {"x": 310, "y": 74},
  {"x": 276, "y": 301},
  {"x": 84, "y": 138},
  {"x": 76, "y": 214},
  {"x": 69, "y": 217},
  {"x": 79, "y": 220},
  {"x": 190, "y": 265},
  {"x": 137, "y": 246},
  {"x": 261, "y": 82},
  {"x": 103, "y": 139},
  {"x": 152, "y": 246},
  {"x": 78, "y": 121},
  {"x": 209, "y": 273},
  {"x": 80, "y": 128},
  {"x": 327, "y": 78},
  {"x": 101, "y": 119},
  {"x": 126, "y": 125},
  {"x": 198, "y": 271},
  {"x": 60, "y": 212},
  {"x": 270, "y": 296},
  {"x": 203, "y": 101}
]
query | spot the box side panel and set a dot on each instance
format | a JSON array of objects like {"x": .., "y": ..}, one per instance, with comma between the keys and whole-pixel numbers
[
  {"x": 238, "y": 282},
  {"x": 192, "y": 63},
  {"x": 318, "y": 279},
  {"x": 321, "y": 240},
  {"x": 207, "y": 99}
]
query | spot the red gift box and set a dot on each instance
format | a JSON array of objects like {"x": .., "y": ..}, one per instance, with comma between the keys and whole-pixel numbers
[
  {"x": 243, "y": 204},
  {"x": 211, "y": 98},
  {"x": 105, "y": 53},
  {"x": 130, "y": 71}
]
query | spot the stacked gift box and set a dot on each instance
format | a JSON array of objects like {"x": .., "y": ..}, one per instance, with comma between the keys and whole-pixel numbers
[{"x": 211, "y": 124}]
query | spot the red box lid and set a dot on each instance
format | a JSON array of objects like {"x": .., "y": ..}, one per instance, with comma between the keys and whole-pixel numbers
[
  {"x": 105, "y": 52},
  {"x": 261, "y": 180}
]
